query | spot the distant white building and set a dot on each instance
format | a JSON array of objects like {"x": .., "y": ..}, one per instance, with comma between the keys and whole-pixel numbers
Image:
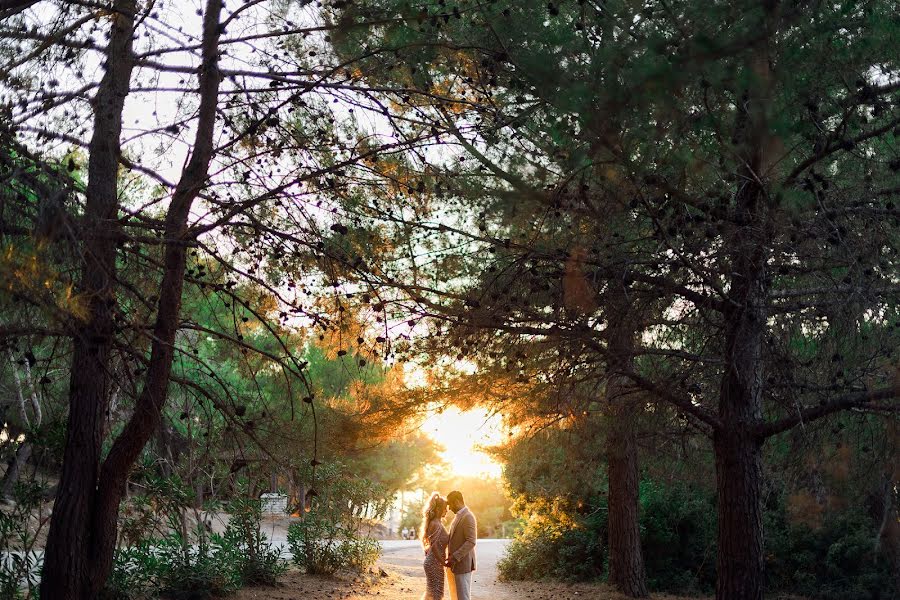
[{"x": 403, "y": 501}]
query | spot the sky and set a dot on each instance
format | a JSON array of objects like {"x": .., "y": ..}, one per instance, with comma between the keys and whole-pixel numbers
[{"x": 462, "y": 434}]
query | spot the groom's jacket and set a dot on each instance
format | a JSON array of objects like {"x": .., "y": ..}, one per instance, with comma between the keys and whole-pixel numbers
[{"x": 463, "y": 534}]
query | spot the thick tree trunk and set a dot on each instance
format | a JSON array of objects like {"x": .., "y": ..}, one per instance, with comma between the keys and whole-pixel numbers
[
  {"x": 738, "y": 449},
  {"x": 737, "y": 445},
  {"x": 66, "y": 566},
  {"x": 626, "y": 560},
  {"x": 739, "y": 565}
]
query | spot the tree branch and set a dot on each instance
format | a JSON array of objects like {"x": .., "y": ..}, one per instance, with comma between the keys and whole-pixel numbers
[{"x": 853, "y": 400}]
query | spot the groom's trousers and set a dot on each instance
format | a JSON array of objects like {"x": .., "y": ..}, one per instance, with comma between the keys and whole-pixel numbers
[{"x": 460, "y": 585}]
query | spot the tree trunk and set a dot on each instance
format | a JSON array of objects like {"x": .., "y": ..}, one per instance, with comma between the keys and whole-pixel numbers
[
  {"x": 737, "y": 446},
  {"x": 148, "y": 407},
  {"x": 66, "y": 565},
  {"x": 626, "y": 560},
  {"x": 739, "y": 565},
  {"x": 738, "y": 450},
  {"x": 14, "y": 469},
  {"x": 84, "y": 526}
]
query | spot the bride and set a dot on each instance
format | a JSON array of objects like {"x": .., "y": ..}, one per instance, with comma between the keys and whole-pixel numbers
[{"x": 434, "y": 539}]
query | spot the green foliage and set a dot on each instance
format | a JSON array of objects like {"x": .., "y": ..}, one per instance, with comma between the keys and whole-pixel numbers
[
  {"x": 835, "y": 561},
  {"x": 322, "y": 546},
  {"x": 136, "y": 572},
  {"x": 212, "y": 568},
  {"x": 678, "y": 534},
  {"x": 201, "y": 565},
  {"x": 329, "y": 538},
  {"x": 20, "y": 564},
  {"x": 174, "y": 567},
  {"x": 555, "y": 545},
  {"x": 260, "y": 561}
]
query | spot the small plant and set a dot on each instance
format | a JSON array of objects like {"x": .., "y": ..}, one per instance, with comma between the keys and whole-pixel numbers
[
  {"x": 136, "y": 572},
  {"x": 20, "y": 563},
  {"x": 260, "y": 561},
  {"x": 328, "y": 539},
  {"x": 315, "y": 544},
  {"x": 210, "y": 568}
]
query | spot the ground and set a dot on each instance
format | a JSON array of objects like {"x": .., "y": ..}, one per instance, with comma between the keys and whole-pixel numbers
[{"x": 399, "y": 576}]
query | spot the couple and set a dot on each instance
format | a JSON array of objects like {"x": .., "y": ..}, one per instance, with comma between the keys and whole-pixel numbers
[{"x": 454, "y": 551}]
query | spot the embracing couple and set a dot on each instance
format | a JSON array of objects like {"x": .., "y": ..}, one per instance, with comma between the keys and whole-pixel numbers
[{"x": 453, "y": 550}]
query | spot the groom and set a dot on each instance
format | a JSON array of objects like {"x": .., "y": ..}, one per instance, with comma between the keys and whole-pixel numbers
[{"x": 461, "y": 548}]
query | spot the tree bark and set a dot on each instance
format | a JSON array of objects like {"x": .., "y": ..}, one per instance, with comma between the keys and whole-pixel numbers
[
  {"x": 14, "y": 469},
  {"x": 739, "y": 562},
  {"x": 66, "y": 565},
  {"x": 737, "y": 446},
  {"x": 626, "y": 559}
]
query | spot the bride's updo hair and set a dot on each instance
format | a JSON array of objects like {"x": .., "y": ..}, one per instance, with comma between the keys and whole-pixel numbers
[{"x": 434, "y": 509}]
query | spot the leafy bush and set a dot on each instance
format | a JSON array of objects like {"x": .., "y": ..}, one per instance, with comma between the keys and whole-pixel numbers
[
  {"x": 328, "y": 538},
  {"x": 554, "y": 544},
  {"x": 136, "y": 572},
  {"x": 835, "y": 561},
  {"x": 212, "y": 568},
  {"x": 678, "y": 538},
  {"x": 323, "y": 546},
  {"x": 259, "y": 561},
  {"x": 361, "y": 552},
  {"x": 201, "y": 565},
  {"x": 173, "y": 567},
  {"x": 20, "y": 564}
]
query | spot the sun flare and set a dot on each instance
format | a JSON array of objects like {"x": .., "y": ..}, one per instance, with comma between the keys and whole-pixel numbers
[{"x": 463, "y": 434}]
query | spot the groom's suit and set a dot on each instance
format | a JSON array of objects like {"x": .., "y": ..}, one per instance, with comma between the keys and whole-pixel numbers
[{"x": 461, "y": 553}]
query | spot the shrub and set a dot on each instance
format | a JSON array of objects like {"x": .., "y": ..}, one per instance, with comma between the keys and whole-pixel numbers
[
  {"x": 555, "y": 544},
  {"x": 259, "y": 561},
  {"x": 835, "y": 561},
  {"x": 20, "y": 564},
  {"x": 678, "y": 538},
  {"x": 320, "y": 545},
  {"x": 327, "y": 538},
  {"x": 136, "y": 572},
  {"x": 200, "y": 566},
  {"x": 173, "y": 567},
  {"x": 211, "y": 568}
]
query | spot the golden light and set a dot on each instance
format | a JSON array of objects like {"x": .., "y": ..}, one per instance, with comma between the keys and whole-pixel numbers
[{"x": 463, "y": 435}]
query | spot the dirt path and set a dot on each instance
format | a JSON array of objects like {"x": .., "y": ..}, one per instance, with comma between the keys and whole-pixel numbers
[
  {"x": 405, "y": 559},
  {"x": 399, "y": 576}
]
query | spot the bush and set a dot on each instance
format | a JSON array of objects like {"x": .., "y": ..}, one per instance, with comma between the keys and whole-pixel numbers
[
  {"x": 678, "y": 538},
  {"x": 136, "y": 572},
  {"x": 20, "y": 564},
  {"x": 555, "y": 545},
  {"x": 322, "y": 546},
  {"x": 173, "y": 567},
  {"x": 212, "y": 568},
  {"x": 328, "y": 539},
  {"x": 835, "y": 561},
  {"x": 259, "y": 561},
  {"x": 200, "y": 566}
]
